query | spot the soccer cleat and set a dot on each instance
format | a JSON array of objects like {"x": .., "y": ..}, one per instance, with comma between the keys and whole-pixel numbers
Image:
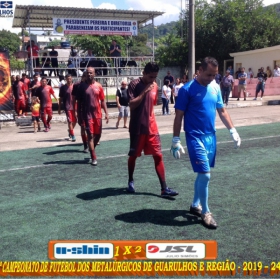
[
  {"x": 130, "y": 187},
  {"x": 208, "y": 220},
  {"x": 46, "y": 130},
  {"x": 73, "y": 138},
  {"x": 94, "y": 162},
  {"x": 49, "y": 126},
  {"x": 168, "y": 192},
  {"x": 85, "y": 150},
  {"x": 196, "y": 210},
  {"x": 255, "y": 98}
]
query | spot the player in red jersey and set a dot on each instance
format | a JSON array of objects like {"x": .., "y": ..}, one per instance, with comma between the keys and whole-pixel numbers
[
  {"x": 65, "y": 95},
  {"x": 44, "y": 92},
  {"x": 92, "y": 100},
  {"x": 76, "y": 99},
  {"x": 26, "y": 83},
  {"x": 142, "y": 94},
  {"x": 20, "y": 100}
]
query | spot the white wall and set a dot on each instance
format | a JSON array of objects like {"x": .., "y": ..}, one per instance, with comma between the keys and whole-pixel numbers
[{"x": 256, "y": 60}]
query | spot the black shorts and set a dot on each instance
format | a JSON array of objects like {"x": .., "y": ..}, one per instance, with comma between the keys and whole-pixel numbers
[{"x": 35, "y": 119}]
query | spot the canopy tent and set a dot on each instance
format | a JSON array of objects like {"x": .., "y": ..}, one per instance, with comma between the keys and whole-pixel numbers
[{"x": 33, "y": 16}]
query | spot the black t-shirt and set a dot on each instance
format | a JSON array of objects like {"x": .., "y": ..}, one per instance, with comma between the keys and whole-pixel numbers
[
  {"x": 54, "y": 59},
  {"x": 123, "y": 98},
  {"x": 115, "y": 52}
]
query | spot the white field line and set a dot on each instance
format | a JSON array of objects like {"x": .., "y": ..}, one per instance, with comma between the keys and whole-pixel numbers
[{"x": 124, "y": 155}]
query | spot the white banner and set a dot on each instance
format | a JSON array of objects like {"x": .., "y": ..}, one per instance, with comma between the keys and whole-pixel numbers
[{"x": 95, "y": 26}]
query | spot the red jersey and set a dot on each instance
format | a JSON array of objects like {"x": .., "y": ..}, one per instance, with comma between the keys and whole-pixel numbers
[
  {"x": 142, "y": 118},
  {"x": 20, "y": 93},
  {"x": 91, "y": 95},
  {"x": 35, "y": 51},
  {"x": 44, "y": 94},
  {"x": 65, "y": 92},
  {"x": 26, "y": 83}
]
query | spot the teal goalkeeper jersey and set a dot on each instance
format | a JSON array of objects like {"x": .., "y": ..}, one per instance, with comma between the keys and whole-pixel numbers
[{"x": 199, "y": 104}]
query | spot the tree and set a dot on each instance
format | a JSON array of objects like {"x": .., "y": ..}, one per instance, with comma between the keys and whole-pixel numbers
[
  {"x": 16, "y": 64},
  {"x": 225, "y": 26},
  {"x": 54, "y": 43},
  {"x": 100, "y": 45},
  {"x": 171, "y": 51},
  {"x": 10, "y": 41}
]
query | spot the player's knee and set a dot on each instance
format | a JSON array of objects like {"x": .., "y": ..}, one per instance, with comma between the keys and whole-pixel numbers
[
  {"x": 157, "y": 158},
  {"x": 205, "y": 177}
]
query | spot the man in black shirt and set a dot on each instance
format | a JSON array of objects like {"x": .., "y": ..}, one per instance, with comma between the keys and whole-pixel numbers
[
  {"x": 262, "y": 77},
  {"x": 122, "y": 103}
]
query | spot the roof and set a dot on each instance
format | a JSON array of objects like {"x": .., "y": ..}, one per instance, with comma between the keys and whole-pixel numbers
[
  {"x": 42, "y": 16},
  {"x": 268, "y": 49}
]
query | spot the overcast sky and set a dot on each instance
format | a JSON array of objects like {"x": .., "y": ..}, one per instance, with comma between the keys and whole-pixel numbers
[{"x": 170, "y": 8}]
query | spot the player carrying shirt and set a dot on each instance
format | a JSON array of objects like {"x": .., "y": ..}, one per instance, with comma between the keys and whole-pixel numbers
[
  {"x": 65, "y": 94},
  {"x": 142, "y": 95},
  {"x": 76, "y": 99},
  {"x": 45, "y": 93},
  {"x": 92, "y": 100}
]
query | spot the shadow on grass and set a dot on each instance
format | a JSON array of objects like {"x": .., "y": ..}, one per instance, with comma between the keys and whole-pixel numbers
[
  {"x": 114, "y": 192},
  {"x": 159, "y": 217},
  {"x": 62, "y": 152},
  {"x": 84, "y": 161}
]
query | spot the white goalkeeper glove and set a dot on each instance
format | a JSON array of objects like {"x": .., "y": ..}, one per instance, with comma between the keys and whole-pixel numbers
[
  {"x": 176, "y": 147},
  {"x": 235, "y": 136}
]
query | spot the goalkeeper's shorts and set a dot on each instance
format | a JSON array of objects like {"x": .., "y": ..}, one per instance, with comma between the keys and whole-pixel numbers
[
  {"x": 202, "y": 151},
  {"x": 150, "y": 144}
]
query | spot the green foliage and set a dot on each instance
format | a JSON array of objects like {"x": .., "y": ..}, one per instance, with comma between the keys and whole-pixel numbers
[
  {"x": 139, "y": 46},
  {"x": 54, "y": 43},
  {"x": 171, "y": 51},
  {"x": 16, "y": 64},
  {"x": 10, "y": 41},
  {"x": 100, "y": 45},
  {"x": 225, "y": 26}
]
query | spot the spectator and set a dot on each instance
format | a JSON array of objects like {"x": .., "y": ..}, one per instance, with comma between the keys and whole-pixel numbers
[
  {"x": 115, "y": 52},
  {"x": 276, "y": 71},
  {"x": 218, "y": 78},
  {"x": 226, "y": 86},
  {"x": 185, "y": 79},
  {"x": 268, "y": 72},
  {"x": 35, "y": 53},
  {"x": 171, "y": 83},
  {"x": 242, "y": 76},
  {"x": 230, "y": 70},
  {"x": 262, "y": 77},
  {"x": 34, "y": 84},
  {"x": 238, "y": 72},
  {"x": 54, "y": 54},
  {"x": 250, "y": 73},
  {"x": 165, "y": 97},
  {"x": 176, "y": 88},
  {"x": 122, "y": 102}
]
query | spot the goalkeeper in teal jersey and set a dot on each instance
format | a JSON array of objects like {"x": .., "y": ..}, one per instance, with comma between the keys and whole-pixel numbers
[{"x": 197, "y": 103}]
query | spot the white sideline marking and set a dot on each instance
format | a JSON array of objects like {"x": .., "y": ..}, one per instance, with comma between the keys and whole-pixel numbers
[{"x": 124, "y": 155}]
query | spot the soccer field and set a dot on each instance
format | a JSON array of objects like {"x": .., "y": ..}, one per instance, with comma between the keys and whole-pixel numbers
[{"x": 54, "y": 194}]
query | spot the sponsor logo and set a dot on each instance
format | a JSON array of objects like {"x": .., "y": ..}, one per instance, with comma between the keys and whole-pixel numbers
[
  {"x": 6, "y": 9},
  {"x": 175, "y": 251},
  {"x": 83, "y": 250}
]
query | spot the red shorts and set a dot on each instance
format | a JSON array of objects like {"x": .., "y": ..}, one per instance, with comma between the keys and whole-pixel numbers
[
  {"x": 46, "y": 111},
  {"x": 70, "y": 115},
  {"x": 151, "y": 145},
  {"x": 94, "y": 126},
  {"x": 20, "y": 104}
]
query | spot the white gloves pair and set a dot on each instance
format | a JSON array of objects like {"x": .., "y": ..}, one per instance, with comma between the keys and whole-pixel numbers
[{"x": 176, "y": 146}]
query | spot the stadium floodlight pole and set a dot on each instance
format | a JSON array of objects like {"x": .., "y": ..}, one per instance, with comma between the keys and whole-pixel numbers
[{"x": 191, "y": 41}]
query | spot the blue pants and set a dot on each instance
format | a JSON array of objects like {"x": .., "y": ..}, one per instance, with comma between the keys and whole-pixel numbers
[{"x": 165, "y": 105}]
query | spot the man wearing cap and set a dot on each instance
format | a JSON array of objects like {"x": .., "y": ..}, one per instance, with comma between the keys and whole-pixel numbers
[{"x": 226, "y": 86}]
